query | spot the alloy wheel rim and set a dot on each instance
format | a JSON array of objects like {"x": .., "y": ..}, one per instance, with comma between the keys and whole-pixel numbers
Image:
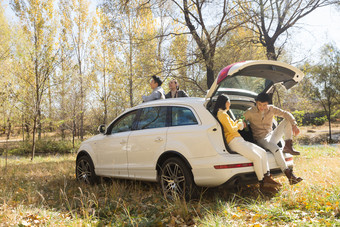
[
  {"x": 173, "y": 180},
  {"x": 84, "y": 171}
]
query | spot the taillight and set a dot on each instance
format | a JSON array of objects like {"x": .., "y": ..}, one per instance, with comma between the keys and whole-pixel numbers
[
  {"x": 233, "y": 166},
  {"x": 230, "y": 166},
  {"x": 289, "y": 159}
]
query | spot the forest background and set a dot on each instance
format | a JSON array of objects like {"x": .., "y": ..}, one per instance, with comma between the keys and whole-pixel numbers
[{"x": 68, "y": 66}]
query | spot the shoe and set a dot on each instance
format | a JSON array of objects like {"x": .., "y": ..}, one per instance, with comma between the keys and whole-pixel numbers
[
  {"x": 268, "y": 181},
  {"x": 271, "y": 190},
  {"x": 289, "y": 148},
  {"x": 291, "y": 177}
]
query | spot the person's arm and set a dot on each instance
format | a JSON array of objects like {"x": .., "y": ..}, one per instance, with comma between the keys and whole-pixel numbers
[
  {"x": 288, "y": 116},
  {"x": 153, "y": 96},
  {"x": 227, "y": 122},
  {"x": 296, "y": 130},
  {"x": 167, "y": 96},
  {"x": 246, "y": 115},
  {"x": 285, "y": 114},
  {"x": 184, "y": 94}
]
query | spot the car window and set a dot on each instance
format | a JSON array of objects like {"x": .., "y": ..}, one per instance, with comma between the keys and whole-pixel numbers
[
  {"x": 124, "y": 123},
  {"x": 254, "y": 84},
  {"x": 152, "y": 117},
  {"x": 238, "y": 109},
  {"x": 236, "y": 114},
  {"x": 182, "y": 116}
]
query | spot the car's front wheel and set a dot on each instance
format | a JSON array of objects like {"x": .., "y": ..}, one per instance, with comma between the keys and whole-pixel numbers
[
  {"x": 85, "y": 170},
  {"x": 176, "y": 179}
]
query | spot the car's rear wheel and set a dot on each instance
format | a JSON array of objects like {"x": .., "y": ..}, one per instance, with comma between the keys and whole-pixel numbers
[
  {"x": 176, "y": 179},
  {"x": 85, "y": 170}
]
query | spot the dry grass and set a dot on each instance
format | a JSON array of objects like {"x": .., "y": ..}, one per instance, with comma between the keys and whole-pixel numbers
[{"x": 45, "y": 193}]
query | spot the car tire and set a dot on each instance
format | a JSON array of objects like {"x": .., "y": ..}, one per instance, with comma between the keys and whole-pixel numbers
[
  {"x": 176, "y": 180},
  {"x": 85, "y": 170}
]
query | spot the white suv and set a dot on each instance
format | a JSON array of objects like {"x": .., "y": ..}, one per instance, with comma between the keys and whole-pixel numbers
[{"x": 178, "y": 142}]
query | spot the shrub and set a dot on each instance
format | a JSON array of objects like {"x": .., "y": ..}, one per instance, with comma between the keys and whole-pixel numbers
[
  {"x": 319, "y": 120},
  {"x": 45, "y": 146},
  {"x": 299, "y": 116},
  {"x": 314, "y": 118},
  {"x": 335, "y": 116}
]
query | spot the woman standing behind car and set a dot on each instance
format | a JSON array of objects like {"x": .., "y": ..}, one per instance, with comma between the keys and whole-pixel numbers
[
  {"x": 249, "y": 150},
  {"x": 174, "y": 90}
]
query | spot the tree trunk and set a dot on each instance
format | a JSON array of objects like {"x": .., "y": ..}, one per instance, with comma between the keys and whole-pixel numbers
[
  {"x": 73, "y": 131},
  {"x": 50, "y": 106},
  {"x": 23, "y": 127},
  {"x": 7, "y": 138},
  {"x": 81, "y": 133},
  {"x": 330, "y": 131},
  {"x": 271, "y": 53},
  {"x": 105, "y": 98},
  {"x": 9, "y": 128},
  {"x": 33, "y": 139},
  {"x": 82, "y": 97},
  {"x": 27, "y": 130},
  {"x": 130, "y": 66},
  {"x": 36, "y": 118},
  {"x": 62, "y": 94},
  {"x": 329, "y": 123},
  {"x": 4, "y": 126},
  {"x": 39, "y": 126},
  {"x": 210, "y": 76}
]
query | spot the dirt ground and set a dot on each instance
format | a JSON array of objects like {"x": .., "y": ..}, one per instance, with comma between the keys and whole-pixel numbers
[{"x": 319, "y": 134}]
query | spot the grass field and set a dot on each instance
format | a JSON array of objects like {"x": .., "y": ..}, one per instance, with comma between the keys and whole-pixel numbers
[{"x": 45, "y": 193}]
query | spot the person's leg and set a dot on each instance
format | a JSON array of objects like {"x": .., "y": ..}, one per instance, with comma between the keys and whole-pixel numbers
[
  {"x": 263, "y": 157},
  {"x": 279, "y": 158},
  {"x": 291, "y": 177},
  {"x": 284, "y": 129},
  {"x": 246, "y": 149},
  {"x": 275, "y": 149},
  {"x": 260, "y": 160}
]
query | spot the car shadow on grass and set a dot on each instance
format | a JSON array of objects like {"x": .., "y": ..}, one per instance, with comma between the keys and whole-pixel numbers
[{"x": 247, "y": 192}]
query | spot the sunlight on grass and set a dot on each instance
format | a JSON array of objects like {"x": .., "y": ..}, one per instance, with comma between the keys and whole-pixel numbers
[{"x": 45, "y": 192}]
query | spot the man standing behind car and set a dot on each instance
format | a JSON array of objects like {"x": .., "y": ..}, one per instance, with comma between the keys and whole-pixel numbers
[
  {"x": 157, "y": 93},
  {"x": 174, "y": 90},
  {"x": 261, "y": 121}
]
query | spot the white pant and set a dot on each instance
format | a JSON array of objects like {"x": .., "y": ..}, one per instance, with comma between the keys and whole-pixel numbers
[
  {"x": 273, "y": 138},
  {"x": 254, "y": 153}
]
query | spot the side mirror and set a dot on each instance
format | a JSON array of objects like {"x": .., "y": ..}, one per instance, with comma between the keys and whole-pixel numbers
[{"x": 102, "y": 129}]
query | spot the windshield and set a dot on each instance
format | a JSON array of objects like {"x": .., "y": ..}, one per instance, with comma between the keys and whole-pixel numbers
[{"x": 253, "y": 84}]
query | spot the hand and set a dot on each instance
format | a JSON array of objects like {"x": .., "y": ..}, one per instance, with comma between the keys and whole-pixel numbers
[
  {"x": 296, "y": 130},
  {"x": 242, "y": 121}
]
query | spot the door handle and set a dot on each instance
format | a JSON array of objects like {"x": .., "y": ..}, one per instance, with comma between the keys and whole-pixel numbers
[
  {"x": 159, "y": 139},
  {"x": 123, "y": 142}
]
